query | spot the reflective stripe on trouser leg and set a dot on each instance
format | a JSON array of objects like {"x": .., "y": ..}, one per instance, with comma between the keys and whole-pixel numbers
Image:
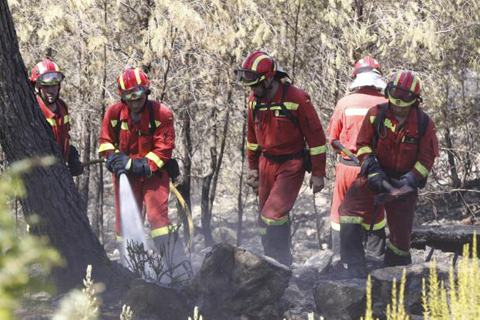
[
  {"x": 351, "y": 244},
  {"x": 396, "y": 257}
]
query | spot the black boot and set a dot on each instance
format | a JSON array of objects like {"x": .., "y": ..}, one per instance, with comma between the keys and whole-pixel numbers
[
  {"x": 171, "y": 248},
  {"x": 351, "y": 244},
  {"x": 376, "y": 243},
  {"x": 335, "y": 237},
  {"x": 392, "y": 259},
  {"x": 278, "y": 244}
]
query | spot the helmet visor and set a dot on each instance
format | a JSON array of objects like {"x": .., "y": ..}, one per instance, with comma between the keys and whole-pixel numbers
[
  {"x": 50, "y": 78},
  {"x": 402, "y": 94},
  {"x": 134, "y": 93},
  {"x": 248, "y": 77}
]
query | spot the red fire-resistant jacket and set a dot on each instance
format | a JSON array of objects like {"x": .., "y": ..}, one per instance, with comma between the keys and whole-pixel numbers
[
  {"x": 60, "y": 124},
  {"x": 348, "y": 116},
  {"x": 135, "y": 140},
  {"x": 399, "y": 152},
  {"x": 275, "y": 134}
]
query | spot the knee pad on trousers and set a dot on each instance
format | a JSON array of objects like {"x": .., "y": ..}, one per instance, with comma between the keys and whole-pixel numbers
[
  {"x": 278, "y": 244},
  {"x": 392, "y": 259},
  {"x": 376, "y": 242},
  {"x": 351, "y": 244}
]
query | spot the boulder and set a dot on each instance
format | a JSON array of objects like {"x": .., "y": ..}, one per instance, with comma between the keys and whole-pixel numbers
[
  {"x": 235, "y": 283},
  {"x": 382, "y": 280},
  {"x": 153, "y": 301},
  {"x": 341, "y": 299}
]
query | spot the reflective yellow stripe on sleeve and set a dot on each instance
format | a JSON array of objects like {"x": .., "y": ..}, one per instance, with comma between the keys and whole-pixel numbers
[
  {"x": 152, "y": 156},
  {"x": 124, "y": 125},
  {"x": 113, "y": 123},
  {"x": 105, "y": 147},
  {"x": 372, "y": 119},
  {"x": 51, "y": 121},
  {"x": 420, "y": 168},
  {"x": 252, "y": 146},
  {"x": 318, "y": 150},
  {"x": 66, "y": 119},
  {"x": 364, "y": 150}
]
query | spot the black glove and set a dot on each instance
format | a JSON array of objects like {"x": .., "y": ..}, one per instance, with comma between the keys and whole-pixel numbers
[
  {"x": 117, "y": 163},
  {"x": 74, "y": 164},
  {"x": 140, "y": 167},
  {"x": 375, "y": 174},
  {"x": 410, "y": 180}
]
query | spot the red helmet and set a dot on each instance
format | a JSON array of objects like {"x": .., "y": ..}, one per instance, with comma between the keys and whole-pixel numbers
[
  {"x": 403, "y": 89},
  {"x": 366, "y": 64},
  {"x": 132, "y": 83},
  {"x": 258, "y": 67},
  {"x": 46, "y": 73}
]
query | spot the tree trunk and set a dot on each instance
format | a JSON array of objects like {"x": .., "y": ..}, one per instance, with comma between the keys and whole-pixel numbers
[
  {"x": 207, "y": 182},
  {"x": 50, "y": 191},
  {"x": 240, "y": 187}
]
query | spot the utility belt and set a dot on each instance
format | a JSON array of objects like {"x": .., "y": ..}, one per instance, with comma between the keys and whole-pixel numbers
[
  {"x": 283, "y": 157},
  {"x": 349, "y": 162}
]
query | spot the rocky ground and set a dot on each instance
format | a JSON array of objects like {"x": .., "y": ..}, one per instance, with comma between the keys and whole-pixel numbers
[{"x": 311, "y": 255}]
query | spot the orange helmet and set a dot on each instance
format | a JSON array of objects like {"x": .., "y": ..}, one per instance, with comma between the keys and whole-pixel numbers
[
  {"x": 258, "y": 67},
  {"x": 132, "y": 83},
  {"x": 366, "y": 64},
  {"x": 46, "y": 73},
  {"x": 403, "y": 89}
]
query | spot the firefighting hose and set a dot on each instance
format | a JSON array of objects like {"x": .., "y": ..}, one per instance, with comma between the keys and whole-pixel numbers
[{"x": 184, "y": 214}]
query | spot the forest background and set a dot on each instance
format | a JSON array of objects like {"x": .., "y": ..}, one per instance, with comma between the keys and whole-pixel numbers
[{"x": 190, "y": 49}]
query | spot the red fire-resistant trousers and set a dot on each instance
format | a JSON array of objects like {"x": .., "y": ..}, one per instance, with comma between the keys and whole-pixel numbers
[
  {"x": 345, "y": 175},
  {"x": 279, "y": 185},
  {"x": 358, "y": 206},
  {"x": 152, "y": 191}
]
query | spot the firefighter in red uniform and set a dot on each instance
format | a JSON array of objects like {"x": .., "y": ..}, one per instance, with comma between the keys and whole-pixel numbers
[
  {"x": 397, "y": 143},
  {"x": 344, "y": 126},
  {"x": 46, "y": 79},
  {"x": 137, "y": 138},
  {"x": 281, "y": 118}
]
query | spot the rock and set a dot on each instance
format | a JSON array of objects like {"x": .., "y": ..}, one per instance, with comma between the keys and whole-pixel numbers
[
  {"x": 152, "y": 301},
  {"x": 234, "y": 282},
  {"x": 346, "y": 299},
  {"x": 382, "y": 280},
  {"x": 306, "y": 275},
  {"x": 341, "y": 299},
  {"x": 445, "y": 237}
]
